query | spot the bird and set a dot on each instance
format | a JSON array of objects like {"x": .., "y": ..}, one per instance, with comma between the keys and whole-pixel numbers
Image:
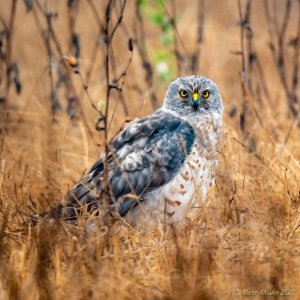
[{"x": 159, "y": 166}]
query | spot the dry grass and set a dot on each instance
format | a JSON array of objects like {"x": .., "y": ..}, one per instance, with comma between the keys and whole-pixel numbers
[{"x": 246, "y": 236}]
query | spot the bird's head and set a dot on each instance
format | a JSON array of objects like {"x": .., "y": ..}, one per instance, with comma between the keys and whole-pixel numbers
[{"x": 193, "y": 95}]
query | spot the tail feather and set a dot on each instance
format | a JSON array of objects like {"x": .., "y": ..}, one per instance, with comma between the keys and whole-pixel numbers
[{"x": 86, "y": 196}]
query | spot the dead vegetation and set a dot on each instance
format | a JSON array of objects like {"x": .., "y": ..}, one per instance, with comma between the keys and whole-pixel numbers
[{"x": 71, "y": 73}]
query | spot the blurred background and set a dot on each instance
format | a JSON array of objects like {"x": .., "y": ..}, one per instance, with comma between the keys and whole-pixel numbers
[{"x": 72, "y": 73}]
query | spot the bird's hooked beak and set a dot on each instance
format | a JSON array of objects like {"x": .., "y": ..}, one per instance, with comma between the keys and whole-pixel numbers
[{"x": 195, "y": 101}]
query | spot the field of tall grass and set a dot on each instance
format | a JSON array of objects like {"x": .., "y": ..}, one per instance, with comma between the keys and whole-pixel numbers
[{"x": 73, "y": 72}]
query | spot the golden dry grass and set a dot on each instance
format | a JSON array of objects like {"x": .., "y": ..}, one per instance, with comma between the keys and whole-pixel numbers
[{"x": 247, "y": 234}]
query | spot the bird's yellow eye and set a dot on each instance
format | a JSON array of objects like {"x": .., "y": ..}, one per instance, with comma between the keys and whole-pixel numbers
[
  {"x": 183, "y": 93},
  {"x": 205, "y": 94}
]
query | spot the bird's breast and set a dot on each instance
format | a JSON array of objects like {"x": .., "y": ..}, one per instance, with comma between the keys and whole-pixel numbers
[
  {"x": 187, "y": 190},
  {"x": 189, "y": 187}
]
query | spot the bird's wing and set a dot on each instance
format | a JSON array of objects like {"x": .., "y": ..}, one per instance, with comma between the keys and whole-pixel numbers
[{"x": 144, "y": 156}]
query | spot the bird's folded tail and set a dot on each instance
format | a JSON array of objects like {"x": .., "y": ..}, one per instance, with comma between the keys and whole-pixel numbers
[
  {"x": 87, "y": 198},
  {"x": 83, "y": 197}
]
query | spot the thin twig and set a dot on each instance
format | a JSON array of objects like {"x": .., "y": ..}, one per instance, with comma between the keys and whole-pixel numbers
[{"x": 9, "y": 45}]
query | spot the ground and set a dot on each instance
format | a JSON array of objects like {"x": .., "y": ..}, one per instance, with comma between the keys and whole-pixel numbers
[{"x": 243, "y": 241}]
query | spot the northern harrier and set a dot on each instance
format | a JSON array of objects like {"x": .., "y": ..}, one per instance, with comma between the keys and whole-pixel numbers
[{"x": 161, "y": 165}]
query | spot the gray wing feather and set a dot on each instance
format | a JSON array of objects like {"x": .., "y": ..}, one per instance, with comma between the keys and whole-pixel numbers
[{"x": 143, "y": 157}]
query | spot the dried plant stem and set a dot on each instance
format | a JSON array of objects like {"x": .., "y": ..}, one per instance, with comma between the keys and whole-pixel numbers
[
  {"x": 277, "y": 35},
  {"x": 196, "y": 57},
  {"x": 9, "y": 45},
  {"x": 142, "y": 50},
  {"x": 108, "y": 37}
]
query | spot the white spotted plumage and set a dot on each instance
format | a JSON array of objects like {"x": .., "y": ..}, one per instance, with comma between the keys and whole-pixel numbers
[{"x": 172, "y": 202}]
